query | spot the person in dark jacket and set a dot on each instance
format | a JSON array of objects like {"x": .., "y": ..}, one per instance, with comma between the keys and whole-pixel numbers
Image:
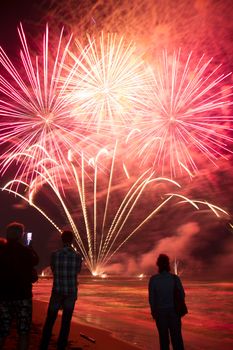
[
  {"x": 65, "y": 264},
  {"x": 16, "y": 265},
  {"x": 161, "y": 300}
]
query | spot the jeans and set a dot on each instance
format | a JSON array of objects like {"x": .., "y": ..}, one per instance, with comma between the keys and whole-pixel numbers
[
  {"x": 21, "y": 310},
  {"x": 66, "y": 303},
  {"x": 168, "y": 322}
]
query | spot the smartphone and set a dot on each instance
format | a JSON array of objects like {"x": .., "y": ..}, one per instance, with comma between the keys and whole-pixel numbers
[{"x": 28, "y": 238}]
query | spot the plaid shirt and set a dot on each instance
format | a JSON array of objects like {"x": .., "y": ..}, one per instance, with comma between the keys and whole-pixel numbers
[{"x": 65, "y": 265}]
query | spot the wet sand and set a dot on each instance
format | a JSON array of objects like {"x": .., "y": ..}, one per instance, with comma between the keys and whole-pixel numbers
[{"x": 81, "y": 337}]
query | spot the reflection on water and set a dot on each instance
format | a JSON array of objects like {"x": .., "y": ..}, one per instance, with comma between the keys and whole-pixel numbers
[{"x": 120, "y": 306}]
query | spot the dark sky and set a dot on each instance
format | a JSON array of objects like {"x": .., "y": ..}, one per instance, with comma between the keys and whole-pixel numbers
[{"x": 12, "y": 12}]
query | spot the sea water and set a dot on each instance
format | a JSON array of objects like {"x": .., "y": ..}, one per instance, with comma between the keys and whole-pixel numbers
[{"x": 120, "y": 305}]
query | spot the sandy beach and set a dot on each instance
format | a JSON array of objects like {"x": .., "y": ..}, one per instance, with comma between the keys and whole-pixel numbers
[
  {"x": 120, "y": 306},
  {"x": 82, "y": 337}
]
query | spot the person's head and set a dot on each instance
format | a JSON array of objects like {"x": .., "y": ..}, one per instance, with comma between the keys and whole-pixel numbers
[
  {"x": 14, "y": 232},
  {"x": 163, "y": 263},
  {"x": 67, "y": 237}
]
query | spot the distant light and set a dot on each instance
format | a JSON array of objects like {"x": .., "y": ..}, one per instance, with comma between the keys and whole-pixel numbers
[{"x": 96, "y": 273}]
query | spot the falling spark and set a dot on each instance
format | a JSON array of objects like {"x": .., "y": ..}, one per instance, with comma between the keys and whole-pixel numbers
[
  {"x": 186, "y": 169},
  {"x": 101, "y": 226},
  {"x": 176, "y": 264},
  {"x": 126, "y": 171}
]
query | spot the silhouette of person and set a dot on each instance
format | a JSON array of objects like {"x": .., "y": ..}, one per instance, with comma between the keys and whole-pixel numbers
[
  {"x": 65, "y": 264},
  {"x": 16, "y": 264},
  {"x": 161, "y": 300}
]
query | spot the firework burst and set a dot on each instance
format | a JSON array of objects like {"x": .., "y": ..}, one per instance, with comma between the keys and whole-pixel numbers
[
  {"x": 34, "y": 107},
  {"x": 108, "y": 81},
  {"x": 185, "y": 122}
]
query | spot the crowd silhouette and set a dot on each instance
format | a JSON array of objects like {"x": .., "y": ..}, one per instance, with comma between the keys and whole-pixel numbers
[{"x": 18, "y": 273}]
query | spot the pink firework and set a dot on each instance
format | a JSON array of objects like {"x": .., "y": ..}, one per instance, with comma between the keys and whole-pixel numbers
[
  {"x": 188, "y": 116},
  {"x": 108, "y": 81},
  {"x": 35, "y": 110}
]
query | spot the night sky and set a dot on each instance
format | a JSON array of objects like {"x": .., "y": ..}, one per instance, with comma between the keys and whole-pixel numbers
[{"x": 203, "y": 244}]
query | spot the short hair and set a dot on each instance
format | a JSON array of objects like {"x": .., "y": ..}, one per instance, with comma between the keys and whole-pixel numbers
[
  {"x": 163, "y": 263},
  {"x": 14, "y": 231},
  {"x": 67, "y": 237}
]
